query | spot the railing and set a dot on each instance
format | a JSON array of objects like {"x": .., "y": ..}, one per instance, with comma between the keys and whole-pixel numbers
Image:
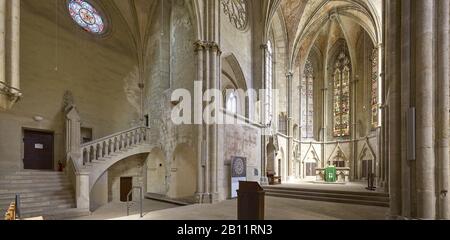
[
  {"x": 105, "y": 147},
  {"x": 140, "y": 200}
]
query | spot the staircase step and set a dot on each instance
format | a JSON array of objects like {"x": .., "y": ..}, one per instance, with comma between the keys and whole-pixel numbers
[
  {"x": 368, "y": 193},
  {"x": 331, "y": 195},
  {"x": 6, "y": 186},
  {"x": 61, "y": 214},
  {"x": 24, "y": 196},
  {"x": 329, "y": 199},
  {"x": 32, "y": 181},
  {"x": 41, "y": 204},
  {"x": 328, "y": 195},
  {"x": 31, "y": 189},
  {"x": 40, "y": 211},
  {"x": 65, "y": 196}
]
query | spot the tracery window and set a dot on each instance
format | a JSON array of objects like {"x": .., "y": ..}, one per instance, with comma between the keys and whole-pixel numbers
[
  {"x": 232, "y": 103},
  {"x": 269, "y": 84},
  {"x": 86, "y": 16},
  {"x": 307, "y": 101},
  {"x": 236, "y": 10},
  {"x": 341, "y": 95},
  {"x": 374, "y": 88}
]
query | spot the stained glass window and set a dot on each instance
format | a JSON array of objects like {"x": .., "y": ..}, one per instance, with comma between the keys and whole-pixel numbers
[
  {"x": 269, "y": 84},
  {"x": 374, "y": 88},
  {"x": 341, "y": 96},
  {"x": 86, "y": 16},
  {"x": 307, "y": 101}
]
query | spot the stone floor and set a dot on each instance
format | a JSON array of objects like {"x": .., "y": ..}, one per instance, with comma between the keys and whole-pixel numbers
[
  {"x": 350, "y": 187},
  {"x": 119, "y": 209},
  {"x": 276, "y": 209}
]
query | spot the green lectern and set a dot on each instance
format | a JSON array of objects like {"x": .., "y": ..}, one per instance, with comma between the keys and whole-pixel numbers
[{"x": 330, "y": 174}]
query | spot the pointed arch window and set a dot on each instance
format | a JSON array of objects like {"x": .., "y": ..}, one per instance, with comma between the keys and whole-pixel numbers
[
  {"x": 341, "y": 96},
  {"x": 374, "y": 88},
  {"x": 269, "y": 84},
  {"x": 232, "y": 103},
  {"x": 307, "y": 101}
]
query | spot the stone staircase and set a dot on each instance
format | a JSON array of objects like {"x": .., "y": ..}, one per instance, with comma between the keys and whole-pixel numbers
[
  {"x": 351, "y": 197},
  {"x": 42, "y": 193},
  {"x": 99, "y": 155}
]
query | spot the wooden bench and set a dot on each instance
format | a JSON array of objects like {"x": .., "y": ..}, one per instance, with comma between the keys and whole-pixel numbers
[{"x": 273, "y": 180}]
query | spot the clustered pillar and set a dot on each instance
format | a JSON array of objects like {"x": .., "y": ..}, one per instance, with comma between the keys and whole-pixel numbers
[
  {"x": 9, "y": 53},
  {"x": 208, "y": 72},
  {"x": 417, "y": 77}
]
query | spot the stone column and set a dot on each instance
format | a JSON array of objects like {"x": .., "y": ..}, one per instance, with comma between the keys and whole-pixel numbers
[
  {"x": 9, "y": 53},
  {"x": 209, "y": 72},
  {"x": 14, "y": 41},
  {"x": 423, "y": 36},
  {"x": 198, "y": 108},
  {"x": 2, "y": 44},
  {"x": 262, "y": 113},
  {"x": 442, "y": 126},
  {"x": 290, "y": 163},
  {"x": 393, "y": 66}
]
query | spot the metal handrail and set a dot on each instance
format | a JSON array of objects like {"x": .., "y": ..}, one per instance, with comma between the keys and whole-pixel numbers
[
  {"x": 140, "y": 200},
  {"x": 17, "y": 202}
]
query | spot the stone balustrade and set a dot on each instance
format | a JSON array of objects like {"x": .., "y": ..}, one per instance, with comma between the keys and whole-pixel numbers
[{"x": 107, "y": 146}]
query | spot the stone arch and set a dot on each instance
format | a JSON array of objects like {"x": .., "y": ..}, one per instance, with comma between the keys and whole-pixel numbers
[
  {"x": 233, "y": 78},
  {"x": 280, "y": 164},
  {"x": 183, "y": 182},
  {"x": 271, "y": 157},
  {"x": 366, "y": 160},
  {"x": 310, "y": 162},
  {"x": 156, "y": 172},
  {"x": 337, "y": 154}
]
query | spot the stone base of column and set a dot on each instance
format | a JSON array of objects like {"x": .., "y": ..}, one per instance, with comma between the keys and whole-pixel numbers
[
  {"x": 292, "y": 179},
  {"x": 207, "y": 198},
  {"x": 264, "y": 181}
]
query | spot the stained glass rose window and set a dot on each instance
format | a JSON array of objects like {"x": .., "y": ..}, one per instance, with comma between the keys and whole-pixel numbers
[{"x": 86, "y": 16}]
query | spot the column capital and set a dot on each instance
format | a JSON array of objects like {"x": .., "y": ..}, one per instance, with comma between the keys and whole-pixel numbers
[
  {"x": 207, "y": 45},
  {"x": 289, "y": 74}
]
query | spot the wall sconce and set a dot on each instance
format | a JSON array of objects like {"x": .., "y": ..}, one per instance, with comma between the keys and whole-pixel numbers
[{"x": 38, "y": 118}]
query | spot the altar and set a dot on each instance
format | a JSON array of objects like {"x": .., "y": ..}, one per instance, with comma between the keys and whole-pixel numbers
[{"x": 342, "y": 175}]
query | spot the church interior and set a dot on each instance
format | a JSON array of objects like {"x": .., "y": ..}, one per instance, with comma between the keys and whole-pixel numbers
[{"x": 340, "y": 108}]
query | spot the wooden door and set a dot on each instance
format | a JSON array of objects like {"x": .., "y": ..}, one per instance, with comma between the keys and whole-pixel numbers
[
  {"x": 38, "y": 150},
  {"x": 126, "y": 185},
  {"x": 311, "y": 169}
]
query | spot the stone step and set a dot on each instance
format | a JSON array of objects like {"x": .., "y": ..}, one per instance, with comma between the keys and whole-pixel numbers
[
  {"x": 33, "y": 181},
  {"x": 62, "y": 214},
  {"x": 44, "y": 194},
  {"x": 32, "y": 177},
  {"x": 33, "y": 173},
  {"x": 367, "y": 193},
  {"x": 62, "y": 196},
  {"x": 40, "y": 211},
  {"x": 37, "y": 204},
  {"x": 327, "y": 199},
  {"x": 32, "y": 190},
  {"x": 361, "y": 196},
  {"x": 18, "y": 187}
]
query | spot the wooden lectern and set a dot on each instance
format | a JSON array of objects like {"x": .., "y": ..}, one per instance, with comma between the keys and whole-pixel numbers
[{"x": 251, "y": 204}]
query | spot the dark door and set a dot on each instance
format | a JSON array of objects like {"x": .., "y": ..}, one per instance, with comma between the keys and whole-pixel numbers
[
  {"x": 38, "y": 150},
  {"x": 126, "y": 184},
  {"x": 311, "y": 169},
  {"x": 366, "y": 168}
]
